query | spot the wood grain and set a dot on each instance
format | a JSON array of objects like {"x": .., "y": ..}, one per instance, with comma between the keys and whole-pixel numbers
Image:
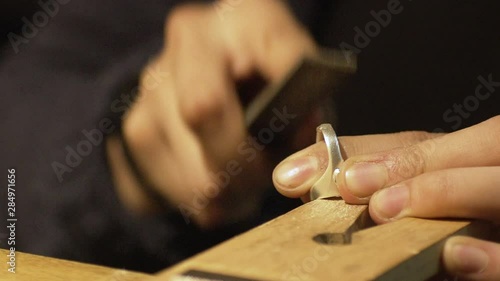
[
  {"x": 284, "y": 249},
  {"x": 32, "y": 267}
]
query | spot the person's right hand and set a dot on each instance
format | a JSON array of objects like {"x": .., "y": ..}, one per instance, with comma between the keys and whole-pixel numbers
[
  {"x": 417, "y": 174},
  {"x": 189, "y": 125}
]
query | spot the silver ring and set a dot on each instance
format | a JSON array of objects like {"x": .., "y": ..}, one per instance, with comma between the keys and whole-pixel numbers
[{"x": 326, "y": 187}]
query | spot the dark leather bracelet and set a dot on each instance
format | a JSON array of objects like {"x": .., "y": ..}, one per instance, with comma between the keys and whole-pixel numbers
[{"x": 144, "y": 183}]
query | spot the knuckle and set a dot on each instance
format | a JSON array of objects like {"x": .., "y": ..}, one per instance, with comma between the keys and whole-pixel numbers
[
  {"x": 151, "y": 76},
  {"x": 410, "y": 161},
  {"x": 205, "y": 104},
  {"x": 136, "y": 131},
  {"x": 434, "y": 194},
  {"x": 180, "y": 20}
]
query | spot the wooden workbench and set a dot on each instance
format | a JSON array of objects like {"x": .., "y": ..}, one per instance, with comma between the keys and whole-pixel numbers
[
  {"x": 38, "y": 268},
  {"x": 294, "y": 246}
]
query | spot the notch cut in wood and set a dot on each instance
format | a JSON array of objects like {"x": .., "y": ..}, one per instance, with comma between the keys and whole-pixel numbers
[{"x": 360, "y": 220}]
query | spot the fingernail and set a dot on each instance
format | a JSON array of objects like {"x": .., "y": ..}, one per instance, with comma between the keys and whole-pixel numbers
[
  {"x": 363, "y": 179},
  {"x": 469, "y": 259},
  {"x": 294, "y": 172},
  {"x": 389, "y": 203}
]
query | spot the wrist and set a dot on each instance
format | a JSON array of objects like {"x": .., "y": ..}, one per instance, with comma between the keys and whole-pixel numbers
[{"x": 127, "y": 185}]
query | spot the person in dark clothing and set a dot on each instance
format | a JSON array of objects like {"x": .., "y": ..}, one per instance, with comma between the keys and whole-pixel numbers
[{"x": 88, "y": 193}]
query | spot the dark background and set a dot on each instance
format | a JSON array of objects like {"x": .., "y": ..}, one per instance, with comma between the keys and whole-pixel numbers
[
  {"x": 11, "y": 15},
  {"x": 443, "y": 42}
]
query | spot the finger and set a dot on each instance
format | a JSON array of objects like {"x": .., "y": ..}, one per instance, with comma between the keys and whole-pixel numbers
[
  {"x": 295, "y": 175},
  {"x": 204, "y": 89},
  {"x": 277, "y": 53},
  {"x": 472, "y": 259},
  {"x": 458, "y": 193},
  {"x": 148, "y": 129},
  {"x": 474, "y": 146},
  {"x": 271, "y": 47}
]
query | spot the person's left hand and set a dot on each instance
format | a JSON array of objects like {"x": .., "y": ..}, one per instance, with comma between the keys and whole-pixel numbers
[
  {"x": 416, "y": 174},
  {"x": 185, "y": 133}
]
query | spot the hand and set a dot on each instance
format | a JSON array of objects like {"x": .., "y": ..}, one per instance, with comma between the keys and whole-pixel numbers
[
  {"x": 417, "y": 174},
  {"x": 186, "y": 132}
]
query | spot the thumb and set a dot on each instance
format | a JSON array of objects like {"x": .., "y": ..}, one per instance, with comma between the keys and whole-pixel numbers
[{"x": 472, "y": 259}]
